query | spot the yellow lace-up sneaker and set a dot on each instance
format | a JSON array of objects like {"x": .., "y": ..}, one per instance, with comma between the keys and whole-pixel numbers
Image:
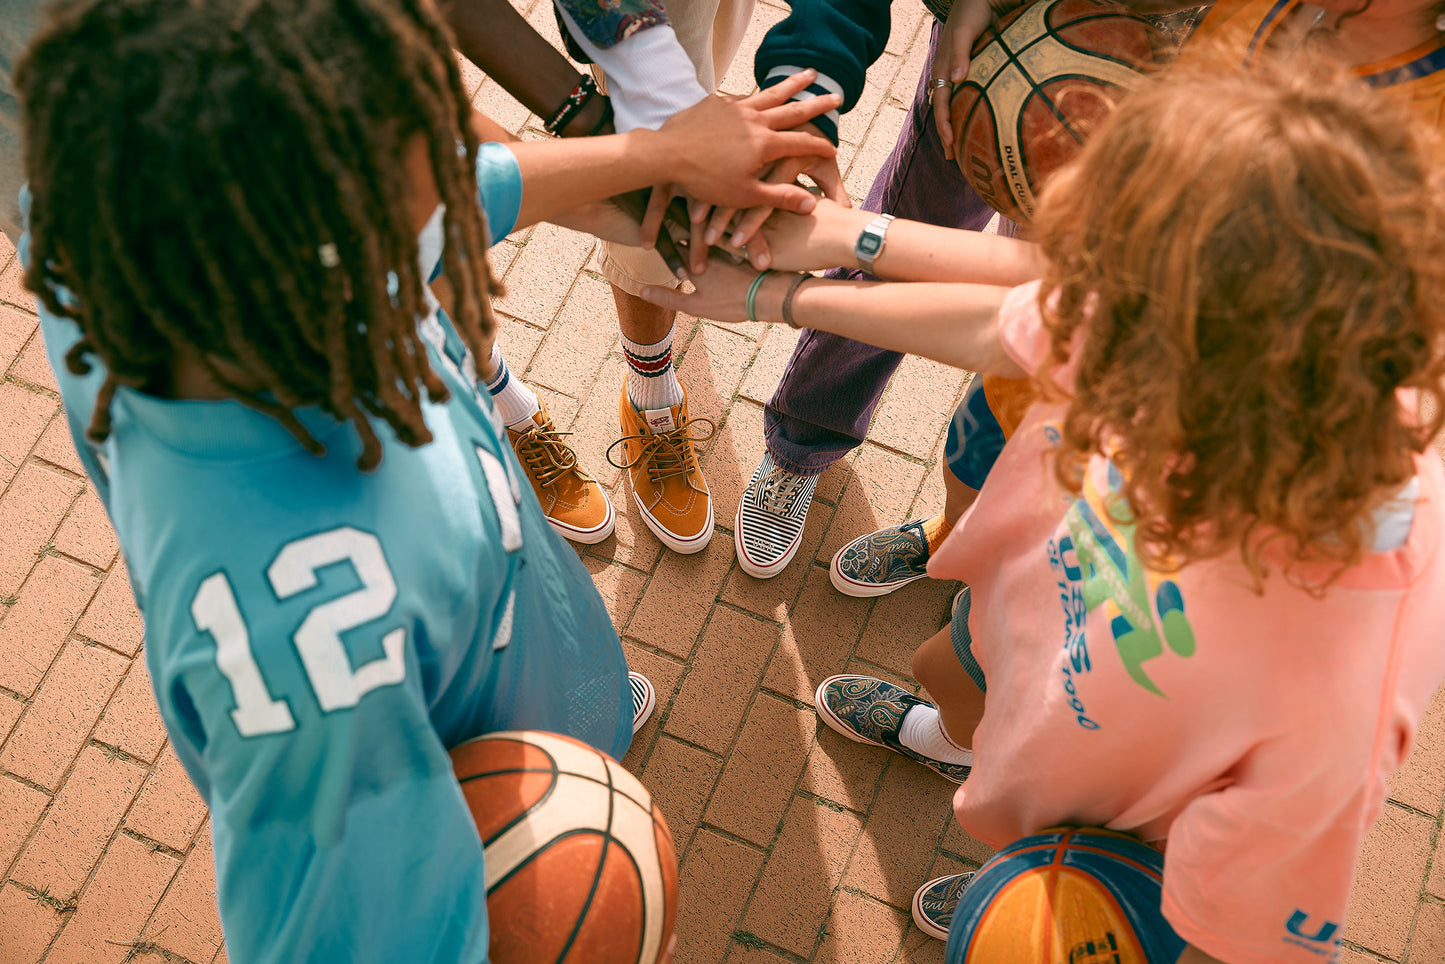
[
  {"x": 573, "y": 501},
  {"x": 661, "y": 462}
]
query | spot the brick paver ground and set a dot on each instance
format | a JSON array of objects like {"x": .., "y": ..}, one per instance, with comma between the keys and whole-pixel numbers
[{"x": 794, "y": 843}]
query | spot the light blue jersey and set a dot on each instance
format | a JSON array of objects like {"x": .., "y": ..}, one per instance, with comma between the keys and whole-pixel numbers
[{"x": 318, "y": 637}]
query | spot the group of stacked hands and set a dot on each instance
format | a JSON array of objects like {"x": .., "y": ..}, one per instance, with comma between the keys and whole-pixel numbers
[{"x": 327, "y": 611}]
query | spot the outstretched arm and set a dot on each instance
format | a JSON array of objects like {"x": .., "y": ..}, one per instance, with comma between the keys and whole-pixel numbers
[
  {"x": 914, "y": 251},
  {"x": 714, "y": 148},
  {"x": 956, "y": 324}
]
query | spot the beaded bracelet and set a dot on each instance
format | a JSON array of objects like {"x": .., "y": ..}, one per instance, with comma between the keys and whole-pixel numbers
[
  {"x": 788, "y": 298},
  {"x": 572, "y": 106},
  {"x": 753, "y": 293}
]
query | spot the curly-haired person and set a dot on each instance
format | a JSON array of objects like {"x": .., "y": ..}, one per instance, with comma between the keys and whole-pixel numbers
[{"x": 1205, "y": 578}]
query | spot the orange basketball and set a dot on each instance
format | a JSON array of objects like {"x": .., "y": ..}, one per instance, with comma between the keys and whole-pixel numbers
[
  {"x": 1040, "y": 79},
  {"x": 580, "y": 865}
]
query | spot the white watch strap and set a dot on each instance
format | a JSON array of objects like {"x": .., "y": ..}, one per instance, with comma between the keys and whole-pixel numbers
[{"x": 870, "y": 241}]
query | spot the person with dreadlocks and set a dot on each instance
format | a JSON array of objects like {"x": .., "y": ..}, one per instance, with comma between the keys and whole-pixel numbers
[{"x": 234, "y": 208}]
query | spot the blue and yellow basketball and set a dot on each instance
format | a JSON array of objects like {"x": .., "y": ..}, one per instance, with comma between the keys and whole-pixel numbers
[{"x": 1068, "y": 895}]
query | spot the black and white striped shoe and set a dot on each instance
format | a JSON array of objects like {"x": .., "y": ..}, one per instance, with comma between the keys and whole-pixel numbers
[
  {"x": 644, "y": 700},
  {"x": 771, "y": 514}
]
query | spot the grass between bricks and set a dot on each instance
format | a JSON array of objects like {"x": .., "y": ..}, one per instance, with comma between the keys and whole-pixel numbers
[{"x": 42, "y": 896}]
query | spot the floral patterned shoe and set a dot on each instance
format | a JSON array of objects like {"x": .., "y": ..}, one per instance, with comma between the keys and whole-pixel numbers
[
  {"x": 869, "y": 710},
  {"x": 881, "y": 562},
  {"x": 935, "y": 902}
]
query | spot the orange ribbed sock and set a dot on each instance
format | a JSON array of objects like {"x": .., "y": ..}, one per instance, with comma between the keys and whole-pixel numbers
[{"x": 935, "y": 530}]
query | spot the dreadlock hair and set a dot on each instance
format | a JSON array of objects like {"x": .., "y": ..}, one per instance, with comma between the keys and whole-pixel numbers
[{"x": 222, "y": 181}]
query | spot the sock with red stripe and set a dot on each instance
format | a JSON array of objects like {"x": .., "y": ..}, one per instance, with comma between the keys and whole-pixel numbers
[{"x": 651, "y": 382}]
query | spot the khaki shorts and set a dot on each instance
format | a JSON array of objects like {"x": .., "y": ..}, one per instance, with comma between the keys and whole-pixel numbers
[{"x": 711, "y": 32}]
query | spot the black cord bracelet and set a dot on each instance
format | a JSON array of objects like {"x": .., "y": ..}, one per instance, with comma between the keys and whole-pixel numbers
[
  {"x": 606, "y": 117},
  {"x": 572, "y": 106}
]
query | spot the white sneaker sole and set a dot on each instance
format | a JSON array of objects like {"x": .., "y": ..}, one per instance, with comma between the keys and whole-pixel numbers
[
  {"x": 920, "y": 919},
  {"x": 684, "y": 545},
  {"x": 755, "y": 569},
  {"x": 831, "y": 719},
  {"x": 649, "y": 702},
  {"x": 864, "y": 590},
  {"x": 587, "y": 537}
]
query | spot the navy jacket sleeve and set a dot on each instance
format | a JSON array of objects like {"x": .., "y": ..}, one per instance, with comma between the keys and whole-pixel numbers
[{"x": 839, "y": 38}]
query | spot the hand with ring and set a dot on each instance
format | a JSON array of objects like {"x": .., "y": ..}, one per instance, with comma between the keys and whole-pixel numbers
[{"x": 967, "y": 20}]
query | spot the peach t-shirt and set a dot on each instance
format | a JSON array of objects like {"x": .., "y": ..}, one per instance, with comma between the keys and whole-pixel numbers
[{"x": 1256, "y": 732}]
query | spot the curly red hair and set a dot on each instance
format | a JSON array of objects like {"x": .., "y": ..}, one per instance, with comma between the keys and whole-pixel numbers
[{"x": 1252, "y": 268}]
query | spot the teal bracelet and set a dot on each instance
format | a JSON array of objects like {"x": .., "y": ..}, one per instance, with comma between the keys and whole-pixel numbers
[{"x": 753, "y": 293}]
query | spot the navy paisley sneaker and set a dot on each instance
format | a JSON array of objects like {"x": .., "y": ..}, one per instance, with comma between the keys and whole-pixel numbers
[
  {"x": 881, "y": 562},
  {"x": 644, "y": 700},
  {"x": 870, "y": 710},
  {"x": 771, "y": 515},
  {"x": 935, "y": 901}
]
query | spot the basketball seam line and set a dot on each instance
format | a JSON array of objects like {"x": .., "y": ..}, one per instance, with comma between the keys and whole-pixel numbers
[
  {"x": 556, "y": 772},
  {"x": 531, "y": 809},
  {"x": 601, "y": 862},
  {"x": 1053, "y": 32}
]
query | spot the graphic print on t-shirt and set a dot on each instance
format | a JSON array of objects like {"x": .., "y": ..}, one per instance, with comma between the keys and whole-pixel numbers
[{"x": 1095, "y": 561}]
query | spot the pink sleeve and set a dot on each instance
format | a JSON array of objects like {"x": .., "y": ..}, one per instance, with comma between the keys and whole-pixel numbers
[
  {"x": 1021, "y": 328},
  {"x": 1260, "y": 871}
]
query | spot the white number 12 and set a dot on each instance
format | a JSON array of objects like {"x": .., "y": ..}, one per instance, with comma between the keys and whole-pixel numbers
[{"x": 318, "y": 639}]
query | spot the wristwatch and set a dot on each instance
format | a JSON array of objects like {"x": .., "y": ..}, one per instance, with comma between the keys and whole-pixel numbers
[{"x": 870, "y": 242}]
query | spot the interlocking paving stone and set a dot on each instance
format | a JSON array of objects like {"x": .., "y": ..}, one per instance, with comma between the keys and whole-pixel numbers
[
  {"x": 130, "y": 879},
  {"x": 186, "y": 922}
]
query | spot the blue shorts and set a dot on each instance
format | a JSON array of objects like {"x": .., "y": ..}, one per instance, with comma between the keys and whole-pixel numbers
[
  {"x": 963, "y": 639},
  {"x": 975, "y": 437}
]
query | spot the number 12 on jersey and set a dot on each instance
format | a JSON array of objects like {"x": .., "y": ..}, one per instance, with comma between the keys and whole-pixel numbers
[{"x": 334, "y": 682}]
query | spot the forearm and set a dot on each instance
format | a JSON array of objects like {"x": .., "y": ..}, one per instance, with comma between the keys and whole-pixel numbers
[
  {"x": 913, "y": 251},
  {"x": 1193, "y": 955},
  {"x": 926, "y": 252},
  {"x": 559, "y": 176},
  {"x": 956, "y": 324},
  {"x": 495, "y": 37}
]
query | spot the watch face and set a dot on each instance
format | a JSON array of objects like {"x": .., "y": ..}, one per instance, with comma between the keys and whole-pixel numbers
[{"x": 869, "y": 244}]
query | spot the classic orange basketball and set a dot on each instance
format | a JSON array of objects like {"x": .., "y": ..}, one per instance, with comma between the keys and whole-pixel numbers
[
  {"x": 1040, "y": 79},
  {"x": 580, "y": 865}
]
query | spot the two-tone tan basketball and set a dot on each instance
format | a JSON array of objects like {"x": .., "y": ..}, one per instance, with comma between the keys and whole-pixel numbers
[
  {"x": 580, "y": 864},
  {"x": 1040, "y": 79}
]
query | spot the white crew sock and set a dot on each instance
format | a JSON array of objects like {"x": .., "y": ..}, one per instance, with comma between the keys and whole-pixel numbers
[
  {"x": 651, "y": 382},
  {"x": 923, "y": 732},
  {"x": 516, "y": 403}
]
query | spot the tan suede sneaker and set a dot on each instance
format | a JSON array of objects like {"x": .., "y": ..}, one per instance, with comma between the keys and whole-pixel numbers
[
  {"x": 572, "y": 500},
  {"x": 658, "y": 454}
]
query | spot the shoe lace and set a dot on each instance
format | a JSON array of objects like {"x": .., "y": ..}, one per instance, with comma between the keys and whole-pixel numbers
[
  {"x": 667, "y": 454},
  {"x": 546, "y": 456},
  {"x": 778, "y": 491}
]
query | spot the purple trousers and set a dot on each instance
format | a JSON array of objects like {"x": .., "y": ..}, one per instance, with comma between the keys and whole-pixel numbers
[{"x": 822, "y": 406}]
